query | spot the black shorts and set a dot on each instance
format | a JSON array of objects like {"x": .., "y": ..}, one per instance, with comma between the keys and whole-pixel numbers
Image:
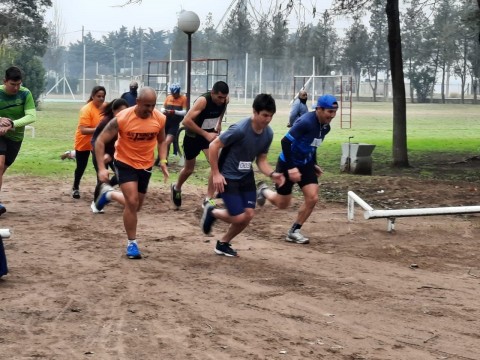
[
  {"x": 125, "y": 173},
  {"x": 193, "y": 145},
  {"x": 10, "y": 149},
  {"x": 308, "y": 177},
  {"x": 172, "y": 126}
]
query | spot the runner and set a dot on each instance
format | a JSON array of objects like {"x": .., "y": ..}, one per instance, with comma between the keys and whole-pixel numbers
[
  {"x": 139, "y": 128},
  {"x": 298, "y": 163},
  {"x": 232, "y": 171},
  {"x": 203, "y": 123}
]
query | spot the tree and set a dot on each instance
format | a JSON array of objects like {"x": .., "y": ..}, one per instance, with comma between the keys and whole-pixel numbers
[
  {"x": 22, "y": 24},
  {"x": 445, "y": 28},
  {"x": 419, "y": 52},
  {"x": 23, "y": 39},
  {"x": 399, "y": 141},
  {"x": 378, "y": 44},
  {"x": 354, "y": 52},
  {"x": 206, "y": 43},
  {"x": 320, "y": 46},
  {"x": 236, "y": 39},
  {"x": 278, "y": 51}
]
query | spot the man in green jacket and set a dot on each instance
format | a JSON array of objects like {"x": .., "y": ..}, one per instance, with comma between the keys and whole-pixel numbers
[{"x": 17, "y": 109}]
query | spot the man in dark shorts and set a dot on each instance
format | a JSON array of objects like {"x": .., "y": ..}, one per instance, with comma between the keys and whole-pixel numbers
[
  {"x": 174, "y": 108},
  {"x": 298, "y": 162},
  {"x": 17, "y": 109},
  {"x": 140, "y": 129},
  {"x": 203, "y": 123},
  {"x": 232, "y": 171}
]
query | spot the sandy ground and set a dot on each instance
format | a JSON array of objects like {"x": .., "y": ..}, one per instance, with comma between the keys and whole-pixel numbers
[{"x": 355, "y": 292}]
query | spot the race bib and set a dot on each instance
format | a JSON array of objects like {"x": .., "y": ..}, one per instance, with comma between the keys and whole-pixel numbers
[
  {"x": 209, "y": 123},
  {"x": 316, "y": 142},
  {"x": 244, "y": 165}
]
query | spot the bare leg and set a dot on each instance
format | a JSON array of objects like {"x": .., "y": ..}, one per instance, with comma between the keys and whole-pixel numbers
[
  {"x": 3, "y": 168},
  {"x": 280, "y": 201},
  {"x": 310, "y": 194},
  {"x": 133, "y": 203},
  {"x": 237, "y": 223},
  {"x": 185, "y": 173}
]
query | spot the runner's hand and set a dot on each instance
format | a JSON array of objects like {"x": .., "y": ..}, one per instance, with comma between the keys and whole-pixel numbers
[
  {"x": 166, "y": 175},
  {"x": 219, "y": 183}
]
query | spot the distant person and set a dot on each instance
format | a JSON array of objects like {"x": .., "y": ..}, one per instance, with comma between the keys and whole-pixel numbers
[
  {"x": 298, "y": 163},
  {"x": 140, "y": 129},
  {"x": 17, "y": 109},
  {"x": 203, "y": 123},
  {"x": 174, "y": 108},
  {"x": 231, "y": 158},
  {"x": 109, "y": 112},
  {"x": 299, "y": 107},
  {"x": 90, "y": 116},
  {"x": 131, "y": 95}
]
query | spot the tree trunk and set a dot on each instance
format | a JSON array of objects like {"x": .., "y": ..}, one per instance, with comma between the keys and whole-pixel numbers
[
  {"x": 435, "y": 75},
  {"x": 443, "y": 82},
  {"x": 399, "y": 143},
  {"x": 410, "y": 68}
]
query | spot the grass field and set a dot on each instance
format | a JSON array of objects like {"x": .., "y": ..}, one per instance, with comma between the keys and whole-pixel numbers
[{"x": 437, "y": 134}]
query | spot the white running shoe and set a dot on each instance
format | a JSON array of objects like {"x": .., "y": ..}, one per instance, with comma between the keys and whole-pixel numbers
[
  {"x": 94, "y": 208},
  {"x": 296, "y": 237},
  {"x": 261, "y": 199}
]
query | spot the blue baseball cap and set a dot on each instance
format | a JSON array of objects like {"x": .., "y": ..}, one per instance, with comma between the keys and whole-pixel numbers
[{"x": 327, "y": 102}]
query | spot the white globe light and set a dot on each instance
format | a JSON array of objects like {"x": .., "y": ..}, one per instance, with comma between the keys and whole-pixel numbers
[
  {"x": 332, "y": 73},
  {"x": 188, "y": 22}
]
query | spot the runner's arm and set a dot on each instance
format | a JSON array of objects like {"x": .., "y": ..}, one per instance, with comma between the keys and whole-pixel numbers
[
  {"x": 189, "y": 119},
  {"x": 107, "y": 135}
]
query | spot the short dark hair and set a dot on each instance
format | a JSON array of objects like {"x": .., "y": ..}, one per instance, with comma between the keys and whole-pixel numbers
[
  {"x": 264, "y": 102},
  {"x": 220, "y": 87},
  {"x": 113, "y": 105},
  {"x": 13, "y": 73}
]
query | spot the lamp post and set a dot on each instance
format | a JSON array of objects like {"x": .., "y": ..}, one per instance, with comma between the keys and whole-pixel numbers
[{"x": 189, "y": 22}]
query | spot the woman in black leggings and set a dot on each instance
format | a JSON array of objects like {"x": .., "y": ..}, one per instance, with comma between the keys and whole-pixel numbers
[{"x": 90, "y": 116}]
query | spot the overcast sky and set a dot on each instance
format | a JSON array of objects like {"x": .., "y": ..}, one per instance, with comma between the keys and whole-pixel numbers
[{"x": 103, "y": 16}]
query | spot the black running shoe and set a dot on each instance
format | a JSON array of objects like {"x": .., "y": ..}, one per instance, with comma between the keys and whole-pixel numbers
[
  {"x": 225, "y": 249},
  {"x": 176, "y": 196},
  {"x": 3, "y": 209},
  {"x": 75, "y": 193},
  {"x": 207, "y": 218}
]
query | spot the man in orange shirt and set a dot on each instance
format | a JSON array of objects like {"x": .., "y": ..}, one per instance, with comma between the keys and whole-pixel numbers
[{"x": 139, "y": 128}]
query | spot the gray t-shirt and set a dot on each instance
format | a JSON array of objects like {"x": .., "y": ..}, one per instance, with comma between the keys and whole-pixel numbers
[{"x": 242, "y": 146}]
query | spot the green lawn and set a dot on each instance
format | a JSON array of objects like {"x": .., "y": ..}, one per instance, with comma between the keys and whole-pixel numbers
[{"x": 436, "y": 134}]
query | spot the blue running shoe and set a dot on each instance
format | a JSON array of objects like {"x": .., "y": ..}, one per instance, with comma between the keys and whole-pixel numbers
[
  {"x": 3, "y": 209},
  {"x": 133, "y": 252},
  {"x": 102, "y": 198}
]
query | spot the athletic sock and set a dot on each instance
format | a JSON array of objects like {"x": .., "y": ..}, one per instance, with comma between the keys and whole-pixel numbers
[{"x": 296, "y": 226}]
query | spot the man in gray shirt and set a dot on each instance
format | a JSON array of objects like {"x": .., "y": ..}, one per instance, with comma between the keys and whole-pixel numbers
[{"x": 232, "y": 171}]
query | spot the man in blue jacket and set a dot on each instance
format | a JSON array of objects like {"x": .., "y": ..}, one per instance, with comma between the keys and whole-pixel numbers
[{"x": 298, "y": 163}]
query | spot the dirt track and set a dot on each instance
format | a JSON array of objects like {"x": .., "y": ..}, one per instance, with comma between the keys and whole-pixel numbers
[{"x": 355, "y": 292}]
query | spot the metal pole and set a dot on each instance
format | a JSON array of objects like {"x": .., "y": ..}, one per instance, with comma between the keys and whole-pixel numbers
[
  {"x": 84, "y": 59},
  {"x": 246, "y": 77},
  {"x": 189, "y": 69}
]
